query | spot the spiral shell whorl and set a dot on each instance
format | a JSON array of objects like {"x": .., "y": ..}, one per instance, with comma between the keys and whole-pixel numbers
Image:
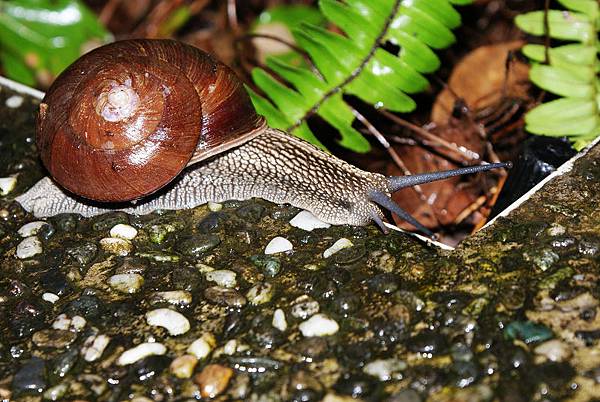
[{"x": 125, "y": 119}]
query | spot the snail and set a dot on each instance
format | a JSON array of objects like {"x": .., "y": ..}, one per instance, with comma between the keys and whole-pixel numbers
[{"x": 143, "y": 125}]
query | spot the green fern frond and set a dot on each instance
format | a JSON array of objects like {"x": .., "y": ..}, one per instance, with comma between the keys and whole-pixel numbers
[
  {"x": 355, "y": 64},
  {"x": 571, "y": 71}
]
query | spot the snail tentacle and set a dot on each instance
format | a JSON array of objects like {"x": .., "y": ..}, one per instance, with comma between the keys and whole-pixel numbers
[
  {"x": 386, "y": 202},
  {"x": 396, "y": 183}
]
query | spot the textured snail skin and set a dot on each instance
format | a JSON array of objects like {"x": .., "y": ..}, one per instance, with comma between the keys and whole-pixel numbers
[{"x": 273, "y": 166}]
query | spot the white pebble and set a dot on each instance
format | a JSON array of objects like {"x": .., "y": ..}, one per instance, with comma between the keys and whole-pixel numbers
[
  {"x": 384, "y": 369},
  {"x": 214, "y": 206},
  {"x": 260, "y": 293},
  {"x": 556, "y": 230},
  {"x": 29, "y": 247},
  {"x": 319, "y": 325},
  {"x": 175, "y": 323},
  {"x": 14, "y": 101},
  {"x": 31, "y": 228},
  {"x": 202, "y": 346},
  {"x": 305, "y": 307},
  {"x": 554, "y": 350},
  {"x": 278, "y": 245},
  {"x": 123, "y": 231},
  {"x": 222, "y": 277},
  {"x": 77, "y": 323},
  {"x": 61, "y": 322},
  {"x": 307, "y": 221},
  {"x": 337, "y": 246},
  {"x": 173, "y": 297},
  {"x": 183, "y": 366},
  {"x": 7, "y": 184},
  {"x": 140, "y": 351},
  {"x": 126, "y": 283},
  {"x": 230, "y": 347},
  {"x": 50, "y": 297},
  {"x": 279, "y": 320},
  {"x": 94, "y": 346},
  {"x": 120, "y": 247}
]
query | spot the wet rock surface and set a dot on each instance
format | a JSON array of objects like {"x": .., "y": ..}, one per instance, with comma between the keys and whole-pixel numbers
[{"x": 512, "y": 314}]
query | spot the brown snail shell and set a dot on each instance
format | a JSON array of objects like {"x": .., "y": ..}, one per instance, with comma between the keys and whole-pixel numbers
[{"x": 126, "y": 118}]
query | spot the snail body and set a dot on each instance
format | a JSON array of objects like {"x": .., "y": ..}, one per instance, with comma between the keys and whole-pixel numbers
[{"x": 164, "y": 125}]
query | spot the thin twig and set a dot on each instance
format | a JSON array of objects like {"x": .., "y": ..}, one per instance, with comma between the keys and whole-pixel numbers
[
  {"x": 108, "y": 10},
  {"x": 546, "y": 33},
  {"x": 465, "y": 153},
  {"x": 232, "y": 17}
]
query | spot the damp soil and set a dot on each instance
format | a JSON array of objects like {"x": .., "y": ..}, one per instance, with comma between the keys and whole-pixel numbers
[{"x": 191, "y": 307}]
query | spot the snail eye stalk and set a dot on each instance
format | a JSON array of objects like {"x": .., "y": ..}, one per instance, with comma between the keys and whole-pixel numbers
[{"x": 396, "y": 183}]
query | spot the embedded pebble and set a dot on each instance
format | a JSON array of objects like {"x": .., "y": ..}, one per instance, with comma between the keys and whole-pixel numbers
[
  {"x": 76, "y": 323},
  {"x": 202, "y": 346},
  {"x": 113, "y": 245},
  {"x": 214, "y": 206},
  {"x": 140, "y": 351},
  {"x": 304, "y": 307},
  {"x": 180, "y": 298},
  {"x": 53, "y": 338},
  {"x": 337, "y": 246},
  {"x": 384, "y": 369},
  {"x": 222, "y": 277},
  {"x": 174, "y": 322},
  {"x": 29, "y": 247},
  {"x": 31, "y": 228},
  {"x": 554, "y": 350},
  {"x": 278, "y": 245},
  {"x": 230, "y": 347},
  {"x": 260, "y": 293},
  {"x": 94, "y": 346},
  {"x": 279, "y": 320},
  {"x": 319, "y": 325},
  {"x": 183, "y": 366},
  {"x": 307, "y": 221},
  {"x": 14, "y": 101},
  {"x": 122, "y": 231},
  {"x": 7, "y": 184},
  {"x": 556, "y": 229},
  {"x": 31, "y": 377},
  {"x": 224, "y": 296},
  {"x": 50, "y": 297},
  {"x": 126, "y": 283},
  {"x": 213, "y": 380},
  {"x": 57, "y": 392}
]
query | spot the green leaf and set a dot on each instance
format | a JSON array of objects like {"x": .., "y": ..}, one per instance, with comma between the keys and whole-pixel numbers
[
  {"x": 422, "y": 26},
  {"x": 354, "y": 64},
  {"x": 566, "y": 26},
  {"x": 414, "y": 52},
  {"x": 441, "y": 10},
  {"x": 588, "y": 7},
  {"x": 568, "y": 116},
  {"x": 561, "y": 82},
  {"x": 358, "y": 28},
  {"x": 45, "y": 36},
  {"x": 460, "y": 2},
  {"x": 574, "y": 53},
  {"x": 291, "y": 15},
  {"x": 274, "y": 116}
]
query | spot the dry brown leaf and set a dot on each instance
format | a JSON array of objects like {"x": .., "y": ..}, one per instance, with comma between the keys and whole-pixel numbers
[{"x": 479, "y": 79}]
